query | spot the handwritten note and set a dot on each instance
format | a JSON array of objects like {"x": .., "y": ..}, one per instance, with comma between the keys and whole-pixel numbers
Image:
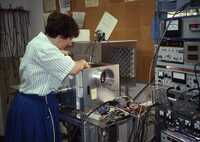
[
  {"x": 107, "y": 24},
  {"x": 79, "y": 17},
  {"x": 91, "y": 3},
  {"x": 64, "y": 6}
]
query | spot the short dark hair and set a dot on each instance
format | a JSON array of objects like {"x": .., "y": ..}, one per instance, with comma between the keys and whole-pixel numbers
[{"x": 61, "y": 24}]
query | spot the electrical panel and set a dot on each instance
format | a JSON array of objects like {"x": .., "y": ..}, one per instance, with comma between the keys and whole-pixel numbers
[
  {"x": 177, "y": 78},
  {"x": 191, "y": 27},
  {"x": 171, "y": 54},
  {"x": 170, "y": 136},
  {"x": 192, "y": 52},
  {"x": 177, "y": 81},
  {"x": 181, "y": 43},
  {"x": 172, "y": 5},
  {"x": 188, "y": 54},
  {"x": 178, "y": 113},
  {"x": 183, "y": 28}
]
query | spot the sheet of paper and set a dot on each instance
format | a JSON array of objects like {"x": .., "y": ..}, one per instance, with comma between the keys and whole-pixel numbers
[
  {"x": 84, "y": 35},
  {"x": 93, "y": 93},
  {"x": 64, "y": 6},
  {"x": 107, "y": 24},
  {"x": 49, "y": 5},
  {"x": 91, "y": 3},
  {"x": 79, "y": 17}
]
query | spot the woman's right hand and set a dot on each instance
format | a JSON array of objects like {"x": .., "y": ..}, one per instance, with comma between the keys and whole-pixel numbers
[
  {"x": 80, "y": 65},
  {"x": 85, "y": 63}
]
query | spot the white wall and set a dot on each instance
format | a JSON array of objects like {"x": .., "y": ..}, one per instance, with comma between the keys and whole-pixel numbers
[
  {"x": 36, "y": 10},
  {"x": 36, "y": 16}
]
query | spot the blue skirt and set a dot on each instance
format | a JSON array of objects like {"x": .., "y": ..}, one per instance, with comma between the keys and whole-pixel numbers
[{"x": 33, "y": 118}]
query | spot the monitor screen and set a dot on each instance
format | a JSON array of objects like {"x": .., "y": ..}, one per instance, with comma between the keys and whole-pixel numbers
[
  {"x": 175, "y": 28},
  {"x": 174, "y": 25}
]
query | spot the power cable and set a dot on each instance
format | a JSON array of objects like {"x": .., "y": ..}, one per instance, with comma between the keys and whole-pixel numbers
[{"x": 197, "y": 81}]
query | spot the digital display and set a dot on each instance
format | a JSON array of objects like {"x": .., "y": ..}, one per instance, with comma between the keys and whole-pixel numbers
[
  {"x": 174, "y": 25},
  {"x": 194, "y": 27},
  {"x": 174, "y": 29},
  {"x": 179, "y": 77}
]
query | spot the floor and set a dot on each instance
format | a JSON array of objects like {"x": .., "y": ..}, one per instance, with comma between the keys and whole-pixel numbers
[{"x": 1, "y": 139}]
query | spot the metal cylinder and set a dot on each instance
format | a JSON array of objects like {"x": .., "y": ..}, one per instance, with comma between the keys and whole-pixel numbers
[{"x": 103, "y": 77}]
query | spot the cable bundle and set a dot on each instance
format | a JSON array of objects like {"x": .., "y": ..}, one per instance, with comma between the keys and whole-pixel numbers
[{"x": 141, "y": 124}]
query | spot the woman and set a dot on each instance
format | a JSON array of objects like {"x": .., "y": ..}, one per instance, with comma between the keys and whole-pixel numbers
[{"x": 33, "y": 114}]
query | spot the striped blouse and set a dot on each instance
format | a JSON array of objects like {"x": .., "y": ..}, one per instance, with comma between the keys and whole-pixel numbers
[{"x": 43, "y": 67}]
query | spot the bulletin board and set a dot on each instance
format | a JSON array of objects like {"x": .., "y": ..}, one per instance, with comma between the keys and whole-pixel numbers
[{"x": 134, "y": 23}]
